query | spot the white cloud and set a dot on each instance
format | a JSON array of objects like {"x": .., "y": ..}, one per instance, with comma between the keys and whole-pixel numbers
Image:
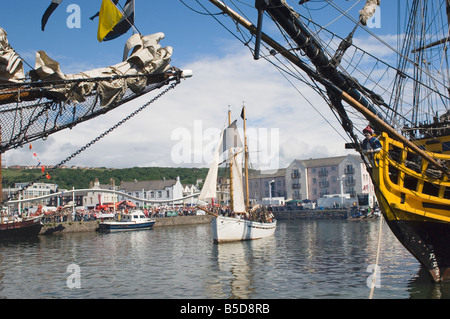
[{"x": 218, "y": 83}]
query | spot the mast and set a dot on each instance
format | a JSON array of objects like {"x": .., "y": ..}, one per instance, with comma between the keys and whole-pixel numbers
[
  {"x": 247, "y": 200},
  {"x": 231, "y": 169}
]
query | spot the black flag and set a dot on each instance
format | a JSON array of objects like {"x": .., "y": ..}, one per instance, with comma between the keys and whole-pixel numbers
[{"x": 49, "y": 11}]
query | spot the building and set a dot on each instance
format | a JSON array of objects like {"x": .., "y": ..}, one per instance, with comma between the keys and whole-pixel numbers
[
  {"x": 95, "y": 197},
  {"x": 36, "y": 189},
  {"x": 315, "y": 178},
  {"x": 190, "y": 189},
  {"x": 163, "y": 190},
  {"x": 261, "y": 185}
]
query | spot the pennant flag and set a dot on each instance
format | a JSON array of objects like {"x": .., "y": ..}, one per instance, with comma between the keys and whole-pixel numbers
[
  {"x": 49, "y": 11},
  {"x": 109, "y": 17},
  {"x": 124, "y": 24},
  {"x": 48, "y": 176}
]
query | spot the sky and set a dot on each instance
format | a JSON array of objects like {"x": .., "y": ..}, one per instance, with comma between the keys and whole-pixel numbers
[{"x": 180, "y": 129}]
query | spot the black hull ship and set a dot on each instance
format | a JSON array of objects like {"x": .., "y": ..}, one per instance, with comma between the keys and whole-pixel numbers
[
  {"x": 20, "y": 228},
  {"x": 402, "y": 98}
]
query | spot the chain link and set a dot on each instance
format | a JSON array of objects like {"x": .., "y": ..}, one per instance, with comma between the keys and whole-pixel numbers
[{"x": 98, "y": 138}]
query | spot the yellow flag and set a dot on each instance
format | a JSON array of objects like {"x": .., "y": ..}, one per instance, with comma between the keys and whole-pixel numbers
[{"x": 109, "y": 17}]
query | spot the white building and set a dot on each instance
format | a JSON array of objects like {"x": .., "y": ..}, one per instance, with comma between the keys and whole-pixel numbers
[
  {"x": 188, "y": 190},
  {"x": 315, "y": 178},
  {"x": 163, "y": 190},
  {"x": 95, "y": 197}
]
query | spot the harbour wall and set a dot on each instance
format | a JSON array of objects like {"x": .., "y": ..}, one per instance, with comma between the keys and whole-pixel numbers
[
  {"x": 312, "y": 214},
  {"x": 89, "y": 226}
]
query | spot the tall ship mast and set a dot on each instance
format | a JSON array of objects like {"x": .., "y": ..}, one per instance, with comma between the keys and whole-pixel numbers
[{"x": 397, "y": 92}]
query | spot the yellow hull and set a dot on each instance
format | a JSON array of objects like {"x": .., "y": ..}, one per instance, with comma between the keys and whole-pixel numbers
[{"x": 415, "y": 200}]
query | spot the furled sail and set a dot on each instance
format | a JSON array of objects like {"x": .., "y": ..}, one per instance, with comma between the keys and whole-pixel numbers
[
  {"x": 147, "y": 57},
  {"x": 11, "y": 65}
]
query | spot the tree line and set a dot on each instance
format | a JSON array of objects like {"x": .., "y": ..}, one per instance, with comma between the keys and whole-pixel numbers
[{"x": 81, "y": 178}]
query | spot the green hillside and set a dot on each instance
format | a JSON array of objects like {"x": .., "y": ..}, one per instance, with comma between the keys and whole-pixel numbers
[{"x": 80, "y": 178}]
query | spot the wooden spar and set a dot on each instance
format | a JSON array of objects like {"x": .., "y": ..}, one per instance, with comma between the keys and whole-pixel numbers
[
  {"x": 345, "y": 96},
  {"x": 435, "y": 43},
  {"x": 207, "y": 211}
]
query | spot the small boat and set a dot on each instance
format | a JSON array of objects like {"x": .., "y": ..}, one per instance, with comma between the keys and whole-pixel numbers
[
  {"x": 12, "y": 227},
  {"x": 244, "y": 223},
  {"x": 228, "y": 229},
  {"x": 134, "y": 220}
]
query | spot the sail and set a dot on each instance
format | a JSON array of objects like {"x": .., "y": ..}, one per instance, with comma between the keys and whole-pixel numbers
[
  {"x": 209, "y": 189},
  {"x": 232, "y": 143},
  {"x": 231, "y": 138},
  {"x": 238, "y": 185}
]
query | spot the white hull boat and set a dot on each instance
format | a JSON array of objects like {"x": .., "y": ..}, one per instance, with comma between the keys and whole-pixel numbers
[{"x": 228, "y": 229}]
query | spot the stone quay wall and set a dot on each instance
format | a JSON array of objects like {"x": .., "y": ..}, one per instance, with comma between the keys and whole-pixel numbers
[{"x": 78, "y": 227}]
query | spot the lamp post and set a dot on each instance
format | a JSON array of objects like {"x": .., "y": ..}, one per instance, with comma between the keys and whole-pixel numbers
[
  {"x": 342, "y": 190},
  {"x": 270, "y": 190}
]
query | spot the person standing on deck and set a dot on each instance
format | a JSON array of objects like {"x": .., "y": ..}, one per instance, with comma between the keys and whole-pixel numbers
[{"x": 371, "y": 144}]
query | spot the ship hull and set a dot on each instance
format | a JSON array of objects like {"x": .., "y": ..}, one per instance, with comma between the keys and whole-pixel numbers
[
  {"x": 229, "y": 229},
  {"x": 416, "y": 205},
  {"x": 426, "y": 239},
  {"x": 21, "y": 229}
]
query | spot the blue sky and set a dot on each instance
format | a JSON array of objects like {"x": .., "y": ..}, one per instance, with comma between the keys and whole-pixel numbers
[{"x": 225, "y": 75}]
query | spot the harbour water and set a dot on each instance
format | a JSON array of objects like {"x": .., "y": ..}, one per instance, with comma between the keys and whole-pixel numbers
[{"x": 318, "y": 259}]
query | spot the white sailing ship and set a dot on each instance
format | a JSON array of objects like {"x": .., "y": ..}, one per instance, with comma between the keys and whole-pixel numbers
[{"x": 240, "y": 223}]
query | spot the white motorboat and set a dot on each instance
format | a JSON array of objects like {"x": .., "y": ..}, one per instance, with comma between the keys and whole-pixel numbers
[{"x": 135, "y": 220}]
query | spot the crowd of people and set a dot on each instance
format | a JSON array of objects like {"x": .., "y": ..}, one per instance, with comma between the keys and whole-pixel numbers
[
  {"x": 91, "y": 214},
  {"x": 257, "y": 213}
]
